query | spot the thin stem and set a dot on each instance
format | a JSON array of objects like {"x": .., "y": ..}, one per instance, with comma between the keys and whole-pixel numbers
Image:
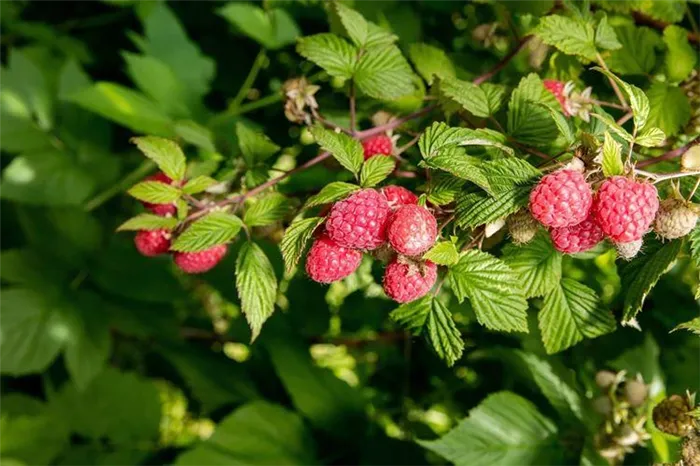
[
  {"x": 604, "y": 103},
  {"x": 672, "y": 154},
  {"x": 240, "y": 198},
  {"x": 250, "y": 79},
  {"x": 618, "y": 93},
  {"x": 625, "y": 118},
  {"x": 531, "y": 150},
  {"x": 353, "y": 116},
  {"x": 446, "y": 222},
  {"x": 504, "y": 61},
  {"x": 331, "y": 125},
  {"x": 393, "y": 124},
  {"x": 408, "y": 145},
  {"x": 256, "y": 104},
  {"x": 120, "y": 186},
  {"x": 498, "y": 125},
  {"x": 629, "y": 154},
  {"x": 659, "y": 177}
]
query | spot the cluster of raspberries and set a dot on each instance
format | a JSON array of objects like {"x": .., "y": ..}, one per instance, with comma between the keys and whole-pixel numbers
[
  {"x": 386, "y": 222},
  {"x": 622, "y": 210},
  {"x": 153, "y": 243}
]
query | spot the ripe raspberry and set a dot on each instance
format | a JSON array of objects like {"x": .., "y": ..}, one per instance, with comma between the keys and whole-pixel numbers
[
  {"x": 202, "y": 261},
  {"x": 160, "y": 209},
  {"x": 152, "y": 243},
  {"x": 629, "y": 251},
  {"x": 577, "y": 238},
  {"x": 522, "y": 227},
  {"x": 327, "y": 262},
  {"x": 625, "y": 208},
  {"x": 671, "y": 416},
  {"x": 359, "y": 222},
  {"x": 405, "y": 281},
  {"x": 380, "y": 144},
  {"x": 690, "y": 450},
  {"x": 674, "y": 219},
  {"x": 557, "y": 88},
  {"x": 412, "y": 230},
  {"x": 397, "y": 196},
  {"x": 561, "y": 199}
]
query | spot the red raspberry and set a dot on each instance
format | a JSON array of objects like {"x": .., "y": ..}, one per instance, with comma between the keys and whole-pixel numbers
[
  {"x": 625, "y": 208},
  {"x": 557, "y": 88},
  {"x": 405, "y": 282},
  {"x": 160, "y": 209},
  {"x": 327, "y": 262},
  {"x": 397, "y": 196},
  {"x": 359, "y": 222},
  {"x": 561, "y": 199},
  {"x": 577, "y": 238},
  {"x": 152, "y": 242},
  {"x": 412, "y": 230},
  {"x": 202, "y": 261},
  {"x": 380, "y": 144}
]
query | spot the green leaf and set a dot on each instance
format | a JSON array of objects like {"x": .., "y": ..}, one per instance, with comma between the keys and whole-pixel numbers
[
  {"x": 506, "y": 174},
  {"x": 32, "y": 334},
  {"x": 694, "y": 242},
  {"x": 255, "y": 146},
  {"x": 613, "y": 126},
  {"x": 438, "y": 137},
  {"x": 443, "y": 188},
  {"x": 363, "y": 33},
  {"x": 563, "y": 124},
  {"x": 681, "y": 58},
  {"x": 431, "y": 319},
  {"x": 456, "y": 162},
  {"x": 346, "y": 150},
  {"x": 640, "y": 275},
  {"x": 572, "y": 311},
  {"x": 272, "y": 28},
  {"x": 470, "y": 96},
  {"x": 328, "y": 402},
  {"x": 572, "y": 36},
  {"x": 125, "y": 107},
  {"x": 537, "y": 264},
  {"x": 637, "y": 99},
  {"x": 267, "y": 210},
  {"x": 430, "y": 62},
  {"x": 120, "y": 406},
  {"x": 88, "y": 348},
  {"x": 330, "y": 52},
  {"x": 265, "y": 434},
  {"x": 333, "y": 192},
  {"x": 479, "y": 208},
  {"x": 670, "y": 108},
  {"x": 612, "y": 157},
  {"x": 198, "y": 184},
  {"x": 650, "y": 137},
  {"x": 155, "y": 192},
  {"x": 165, "y": 153},
  {"x": 158, "y": 81},
  {"x": 195, "y": 134},
  {"x": 493, "y": 290},
  {"x": 637, "y": 55},
  {"x": 495, "y": 94},
  {"x": 257, "y": 286},
  {"x": 505, "y": 429},
  {"x": 295, "y": 238},
  {"x": 605, "y": 37},
  {"x": 528, "y": 120},
  {"x": 384, "y": 73},
  {"x": 376, "y": 169},
  {"x": 167, "y": 40},
  {"x": 32, "y": 433},
  {"x": 443, "y": 253},
  {"x": 211, "y": 230},
  {"x": 46, "y": 177},
  {"x": 148, "y": 222},
  {"x": 691, "y": 325}
]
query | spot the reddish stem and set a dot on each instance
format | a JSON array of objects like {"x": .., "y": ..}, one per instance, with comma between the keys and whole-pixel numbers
[
  {"x": 672, "y": 154},
  {"x": 504, "y": 61}
]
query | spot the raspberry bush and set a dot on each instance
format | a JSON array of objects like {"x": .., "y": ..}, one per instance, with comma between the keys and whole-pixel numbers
[{"x": 337, "y": 232}]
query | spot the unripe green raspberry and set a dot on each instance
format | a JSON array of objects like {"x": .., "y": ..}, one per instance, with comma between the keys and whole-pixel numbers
[
  {"x": 671, "y": 416},
  {"x": 674, "y": 219},
  {"x": 306, "y": 137},
  {"x": 522, "y": 227},
  {"x": 690, "y": 450},
  {"x": 629, "y": 251}
]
